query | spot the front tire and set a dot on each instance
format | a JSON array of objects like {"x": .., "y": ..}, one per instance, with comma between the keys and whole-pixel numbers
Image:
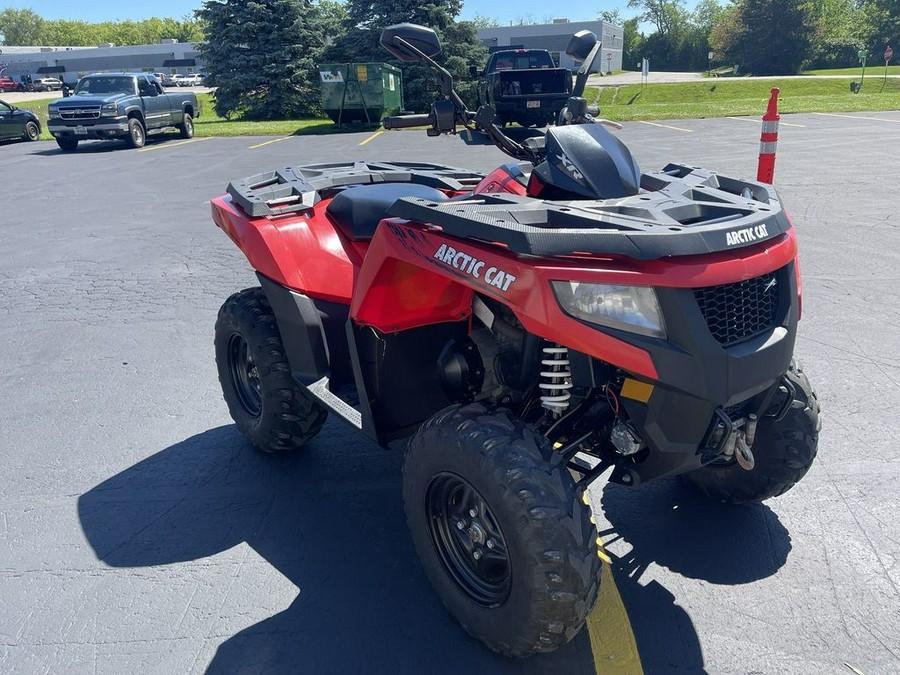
[
  {"x": 783, "y": 452},
  {"x": 274, "y": 412},
  {"x": 186, "y": 128},
  {"x": 67, "y": 144},
  {"x": 503, "y": 533},
  {"x": 32, "y": 133},
  {"x": 136, "y": 134}
]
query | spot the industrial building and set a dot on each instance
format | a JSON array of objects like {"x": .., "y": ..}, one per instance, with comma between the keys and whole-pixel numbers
[
  {"x": 71, "y": 63},
  {"x": 555, "y": 36}
]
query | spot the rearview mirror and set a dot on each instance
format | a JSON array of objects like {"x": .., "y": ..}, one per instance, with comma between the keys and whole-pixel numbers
[
  {"x": 422, "y": 38},
  {"x": 581, "y": 44}
]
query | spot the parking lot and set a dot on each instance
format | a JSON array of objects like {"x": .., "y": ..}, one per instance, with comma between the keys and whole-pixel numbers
[{"x": 139, "y": 533}]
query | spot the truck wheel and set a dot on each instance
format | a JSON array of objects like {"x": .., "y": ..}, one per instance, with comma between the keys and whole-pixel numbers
[
  {"x": 136, "y": 136},
  {"x": 503, "y": 533},
  {"x": 783, "y": 452},
  {"x": 67, "y": 144},
  {"x": 32, "y": 133},
  {"x": 274, "y": 412},
  {"x": 187, "y": 126}
]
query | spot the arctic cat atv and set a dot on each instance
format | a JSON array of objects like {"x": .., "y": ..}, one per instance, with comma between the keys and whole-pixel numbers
[{"x": 564, "y": 317}]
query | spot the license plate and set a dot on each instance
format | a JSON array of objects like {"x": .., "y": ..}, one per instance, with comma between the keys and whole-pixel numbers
[
  {"x": 533, "y": 104},
  {"x": 80, "y": 131}
]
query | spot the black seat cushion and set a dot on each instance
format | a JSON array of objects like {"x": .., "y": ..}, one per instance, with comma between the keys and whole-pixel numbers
[{"x": 357, "y": 210}]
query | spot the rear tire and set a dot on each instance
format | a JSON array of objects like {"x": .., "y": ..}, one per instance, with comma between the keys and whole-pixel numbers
[
  {"x": 783, "y": 452},
  {"x": 136, "y": 135},
  {"x": 531, "y": 589},
  {"x": 67, "y": 144},
  {"x": 187, "y": 126},
  {"x": 32, "y": 133},
  {"x": 274, "y": 412}
]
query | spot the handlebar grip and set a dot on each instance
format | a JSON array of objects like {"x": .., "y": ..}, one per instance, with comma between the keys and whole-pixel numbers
[{"x": 401, "y": 121}]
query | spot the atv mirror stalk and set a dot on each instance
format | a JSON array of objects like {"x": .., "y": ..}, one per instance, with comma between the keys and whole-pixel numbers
[
  {"x": 576, "y": 46},
  {"x": 398, "y": 45}
]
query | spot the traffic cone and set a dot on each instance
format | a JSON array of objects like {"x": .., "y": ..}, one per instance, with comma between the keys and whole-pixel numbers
[{"x": 768, "y": 140}]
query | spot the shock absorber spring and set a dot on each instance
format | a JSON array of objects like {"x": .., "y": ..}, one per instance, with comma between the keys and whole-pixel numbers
[{"x": 557, "y": 379}]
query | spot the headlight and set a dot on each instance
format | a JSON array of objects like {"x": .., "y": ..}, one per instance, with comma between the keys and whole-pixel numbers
[
  {"x": 108, "y": 110},
  {"x": 630, "y": 308},
  {"x": 52, "y": 113}
]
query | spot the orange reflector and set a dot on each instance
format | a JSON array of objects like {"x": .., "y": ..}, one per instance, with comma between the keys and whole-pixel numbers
[{"x": 637, "y": 391}]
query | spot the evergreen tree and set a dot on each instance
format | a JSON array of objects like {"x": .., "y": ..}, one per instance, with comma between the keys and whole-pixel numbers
[
  {"x": 460, "y": 46},
  {"x": 262, "y": 55}
]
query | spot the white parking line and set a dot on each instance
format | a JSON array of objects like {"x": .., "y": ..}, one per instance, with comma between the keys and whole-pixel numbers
[
  {"x": 757, "y": 121},
  {"x": 666, "y": 126}
]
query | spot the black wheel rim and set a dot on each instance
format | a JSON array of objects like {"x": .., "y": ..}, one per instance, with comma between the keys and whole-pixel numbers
[
  {"x": 31, "y": 131},
  {"x": 244, "y": 375},
  {"x": 468, "y": 539}
]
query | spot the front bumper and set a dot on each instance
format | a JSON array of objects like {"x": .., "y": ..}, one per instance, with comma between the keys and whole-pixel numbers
[{"x": 89, "y": 129}]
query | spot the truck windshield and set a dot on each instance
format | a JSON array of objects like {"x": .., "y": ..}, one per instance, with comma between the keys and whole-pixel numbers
[
  {"x": 105, "y": 85},
  {"x": 521, "y": 60}
]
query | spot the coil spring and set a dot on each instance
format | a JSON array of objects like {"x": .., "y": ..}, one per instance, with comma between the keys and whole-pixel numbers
[{"x": 555, "y": 369}]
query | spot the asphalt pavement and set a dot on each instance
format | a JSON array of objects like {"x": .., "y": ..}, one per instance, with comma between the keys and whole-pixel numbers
[{"x": 140, "y": 533}]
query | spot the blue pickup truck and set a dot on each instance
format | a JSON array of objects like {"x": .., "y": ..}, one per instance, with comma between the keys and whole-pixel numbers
[{"x": 125, "y": 106}]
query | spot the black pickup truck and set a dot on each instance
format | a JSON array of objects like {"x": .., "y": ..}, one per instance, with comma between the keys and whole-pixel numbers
[
  {"x": 524, "y": 86},
  {"x": 120, "y": 106}
]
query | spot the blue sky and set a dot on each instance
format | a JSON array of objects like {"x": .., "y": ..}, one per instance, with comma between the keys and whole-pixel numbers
[{"x": 505, "y": 12}]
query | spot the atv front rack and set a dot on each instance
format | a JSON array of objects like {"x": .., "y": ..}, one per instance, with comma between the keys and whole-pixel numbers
[
  {"x": 297, "y": 189},
  {"x": 679, "y": 211}
]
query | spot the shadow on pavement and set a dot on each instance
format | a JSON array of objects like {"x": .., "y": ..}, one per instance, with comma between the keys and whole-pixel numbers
[
  {"x": 330, "y": 519},
  {"x": 667, "y": 525}
]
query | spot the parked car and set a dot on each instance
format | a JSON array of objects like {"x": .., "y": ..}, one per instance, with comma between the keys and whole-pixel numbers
[
  {"x": 7, "y": 84},
  {"x": 165, "y": 79},
  {"x": 18, "y": 124},
  {"x": 46, "y": 84},
  {"x": 191, "y": 80},
  {"x": 176, "y": 80}
]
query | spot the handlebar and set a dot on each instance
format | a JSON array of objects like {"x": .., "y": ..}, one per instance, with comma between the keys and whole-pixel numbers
[{"x": 403, "y": 121}]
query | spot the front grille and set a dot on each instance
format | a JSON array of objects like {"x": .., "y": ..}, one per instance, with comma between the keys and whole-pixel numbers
[
  {"x": 91, "y": 113},
  {"x": 740, "y": 311}
]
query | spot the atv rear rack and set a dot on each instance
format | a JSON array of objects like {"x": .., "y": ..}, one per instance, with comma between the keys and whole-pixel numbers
[{"x": 297, "y": 189}]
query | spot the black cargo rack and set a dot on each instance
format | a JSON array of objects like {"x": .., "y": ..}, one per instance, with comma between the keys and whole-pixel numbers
[
  {"x": 297, "y": 189},
  {"x": 679, "y": 211}
]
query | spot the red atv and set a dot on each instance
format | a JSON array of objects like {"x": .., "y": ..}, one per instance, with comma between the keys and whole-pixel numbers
[{"x": 531, "y": 330}]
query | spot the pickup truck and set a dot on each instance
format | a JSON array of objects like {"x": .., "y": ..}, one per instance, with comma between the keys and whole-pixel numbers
[
  {"x": 524, "y": 86},
  {"x": 120, "y": 106}
]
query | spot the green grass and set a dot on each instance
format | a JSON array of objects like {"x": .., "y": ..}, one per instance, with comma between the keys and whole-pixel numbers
[
  {"x": 720, "y": 98},
  {"x": 873, "y": 68},
  {"x": 210, "y": 124}
]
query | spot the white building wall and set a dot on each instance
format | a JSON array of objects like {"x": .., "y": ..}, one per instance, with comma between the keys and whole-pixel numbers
[
  {"x": 555, "y": 37},
  {"x": 79, "y": 61}
]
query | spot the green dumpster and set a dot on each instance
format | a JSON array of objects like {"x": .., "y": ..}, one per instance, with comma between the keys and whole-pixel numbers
[{"x": 360, "y": 93}]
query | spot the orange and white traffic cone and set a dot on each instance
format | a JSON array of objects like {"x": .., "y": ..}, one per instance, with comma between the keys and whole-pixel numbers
[{"x": 768, "y": 140}]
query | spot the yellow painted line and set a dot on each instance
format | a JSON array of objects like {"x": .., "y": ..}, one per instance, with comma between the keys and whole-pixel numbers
[
  {"x": 277, "y": 140},
  {"x": 172, "y": 145},
  {"x": 858, "y": 117},
  {"x": 756, "y": 121},
  {"x": 666, "y": 126},
  {"x": 373, "y": 136},
  {"x": 612, "y": 639}
]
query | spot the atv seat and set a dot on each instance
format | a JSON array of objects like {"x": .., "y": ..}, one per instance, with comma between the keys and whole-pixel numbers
[{"x": 358, "y": 210}]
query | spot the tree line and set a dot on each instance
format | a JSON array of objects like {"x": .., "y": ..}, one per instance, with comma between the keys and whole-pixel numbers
[
  {"x": 762, "y": 37},
  {"x": 24, "y": 27}
]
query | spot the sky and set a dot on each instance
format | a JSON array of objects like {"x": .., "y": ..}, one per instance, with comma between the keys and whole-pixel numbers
[{"x": 504, "y": 12}]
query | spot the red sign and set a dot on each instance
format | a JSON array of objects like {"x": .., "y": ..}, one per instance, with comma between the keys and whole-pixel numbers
[{"x": 888, "y": 54}]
